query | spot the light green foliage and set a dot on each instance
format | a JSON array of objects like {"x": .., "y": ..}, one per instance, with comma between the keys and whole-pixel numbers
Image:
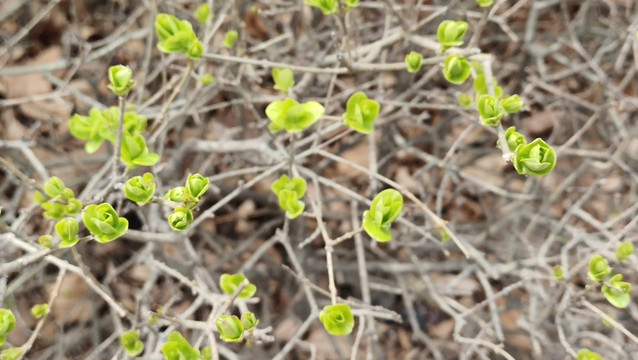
[
  {"x": 196, "y": 185},
  {"x": 617, "y": 291},
  {"x": 290, "y": 193},
  {"x": 177, "y": 194},
  {"x": 229, "y": 284},
  {"x": 480, "y": 85},
  {"x": 11, "y": 353},
  {"x": 177, "y": 348},
  {"x": 103, "y": 222},
  {"x": 361, "y": 112},
  {"x": 456, "y": 69},
  {"x": 293, "y": 116},
  {"x": 326, "y": 6},
  {"x": 413, "y": 61},
  {"x": 120, "y": 80},
  {"x": 586, "y": 354},
  {"x": 140, "y": 189},
  {"x": 180, "y": 218},
  {"x": 231, "y": 38},
  {"x": 95, "y": 128},
  {"x": 386, "y": 207},
  {"x": 337, "y": 319},
  {"x": 624, "y": 251},
  {"x": 57, "y": 201},
  {"x": 230, "y": 328},
  {"x": 485, "y": 3},
  {"x": 512, "y": 104},
  {"x": 559, "y": 272},
  {"x": 135, "y": 152},
  {"x": 67, "y": 229},
  {"x": 351, "y": 4},
  {"x": 450, "y": 33},
  {"x": 283, "y": 78},
  {"x": 465, "y": 100},
  {"x": 202, "y": 14},
  {"x": 490, "y": 110},
  {"x": 536, "y": 158},
  {"x": 514, "y": 139},
  {"x": 7, "y": 323},
  {"x": 599, "y": 268},
  {"x": 207, "y": 353},
  {"x": 131, "y": 342},
  {"x": 249, "y": 321},
  {"x": 46, "y": 241},
  {"x": 207, "y": 79},
  {"x": 177, "y": 36},
  {"x": 40, "y": 310}
]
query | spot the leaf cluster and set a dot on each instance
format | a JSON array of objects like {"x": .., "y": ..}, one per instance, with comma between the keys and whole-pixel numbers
[
  {"x": 289, "y": 192},
  {"x": 385, "y": 209}
]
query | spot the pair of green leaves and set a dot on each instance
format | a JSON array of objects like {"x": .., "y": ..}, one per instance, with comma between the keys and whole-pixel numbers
[
  {"x": 284, "y": 79},
  {"x": 140, "y": 189},
  {"x": 188, "y": 196},
  {"x": 450, "y": 33},
  {"x": 337, "y": 319},
  {"x": 131, "y": 342},
  {"x": 39, "y": 311},
  {"x": 614, "y": 289},
  {"x": 231, "y": 328},
  {"x": 293, "y": 116},
  {"x": 385, "y": 209},
  {"x": 230, "y": 283},
  {"x": 290, "y": 192},
  {"x": 361, "y": 112},
  {"x": 7, "y": 323},
  {"x": 120, "y": 80},
  {"x": 536, "y": 158},
  {"x": 57, "y": 201},
  {"x": 103, "y": 222},
  {"x": 456, "y": 69},
  {"x": 492, "y": 109},
  {"x": 177, "y": 36},
  {"x": 414, "y": 61},
  {"x": 178, "y": 348}
]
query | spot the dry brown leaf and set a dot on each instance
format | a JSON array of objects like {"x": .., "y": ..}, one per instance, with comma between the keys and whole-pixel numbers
[
  {"x": 72, "y": 303},
  {"x": 58, "y": 111},
  {"x": 541, "y": 122},
  {"x": 35, "y": 83},
  {"x": 360, "y": 155}
]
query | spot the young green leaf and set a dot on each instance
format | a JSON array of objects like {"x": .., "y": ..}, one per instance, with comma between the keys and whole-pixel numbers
[
  {"x": 40, "y": 310},
  {"x": 59, "y": 201},
  {"x": 131, "y": 342},
  {"x": 512, "y": 104},
  {"x": 249, "y": 321},
  {"x": 177, "y": 194},
  {"x": 207, "y": 79},
  {"x": 292, "y": 116},
  {"x": 326, "y": 6},
  {"x": 351, "y": 4},
  {"x": 413, "y": 61},
  {"x": 559, "y": 272},
  {"x": 207, "y": 353},
  {"x": 230, "y": 328},
  {"x": 94, "y": 128},
  {"x": 536, "y": 158},
  {"x": 180, "y": 218},
  {"x": 103, "y": 222},
  {"x": 617, "y": 291},
  {"x": 490, "y": 110},
  {"x": 289, "y": 193},
  {"x": 231, "y": 38},
  {"x": 135, "y": 152},
  {"x": 12, "y": 353},
  {"x": 386, "y": 207},
  {"x": 361, "y": 112},
  {"x": 450, "y": 33},
  {"x": 177, "y": 348},
  {"x": 177, "y": 36},
  {"x": 140, "y": 189},
  {"x": 7, "y": 323},
  {"x": 480, "y": 86},
  {"x": 624, "y": 251},
  {"x": 465, "y": 100},
  {"x": 514, "y": 139},
  {"x": 486, "y": 3},
  {"x": 196, "y": 185},
  {"x": 456, "y": 69},
  {"x": 337, "y": 319},
  {"x": 46, "y": 241},
  {"x": 67, "y": 230},
  {"x": 283, "y": 78},
  {"x": 202, "y": 14},
  {"x": 599, "y": 268},
  {"x": 229, "y": 283},
  {"x": 120, "y": 80}
]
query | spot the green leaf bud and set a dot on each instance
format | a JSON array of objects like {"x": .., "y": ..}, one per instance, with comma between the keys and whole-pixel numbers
[
  {"x": 177, "y": 348},
  {"x": 46, "y": 241},
  {"x": 480, "y": 86},
  {"x": 514, "y": 139},
  {"x": 231, "y": 39},
  {"x": 413, "y": 61},
  {"x": 177, "y": 194},
  {"x": 490, "y": 110},
  {"x": 120, "y": 79},
  {"x": 450, "y": 33},
  {"x": 512, "y": 104},
  {"x": 624, "y": 251},
  {"x": 40, "y": 310},
  {"x": 385, "y": 209},
  {"x": 486, "y": 3},
  {"x": 599, "y": 268},
  {"x": 202, "y": 14},
  {"x": 207, "y": 353},
  {"x": 536, "y": 158},
  {"x": 135, "y": 152},
  {"x": 230, "y": 328},
  {"x": 140, "y": 189},
  {"x": 337, "y": 319},
  {"x": 361, "y": 112},
  {"x": 326, "y": 6},
  {"x": 12, "y": 353},
  {"x": 7, "y": 323},
  {"x": 617, "y": 292},
  {"x": 283, "y": 78},
  {"x": 465, "y": 100},
  {"x": 207, "y": 79},
  {"x": 103, "y": 222},
  {"x": 180, "y": 218},
  {"x": 292, "y": 116},
  {"x": 229, "y": 283},
  {"x": 456, "y": 69},
  {"x": 249, "y": 321},
  {"x": 559, "y": 272},
  {"x": 196, "y": 185},
  {"x": 67, "y": 230},
  {"x": 131, "y": 342}
]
